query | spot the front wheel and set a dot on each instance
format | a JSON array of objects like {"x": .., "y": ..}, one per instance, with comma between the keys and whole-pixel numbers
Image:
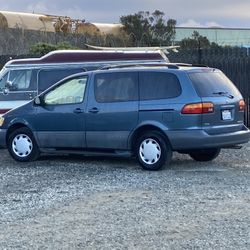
[
  {"x": 153, "y": 151},
  {"x": 205, "y": 154},
  {"x": 22, "y": 145}
]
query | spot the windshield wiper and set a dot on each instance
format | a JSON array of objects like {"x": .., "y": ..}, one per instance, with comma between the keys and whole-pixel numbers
[{"x": 222, "y": 93}]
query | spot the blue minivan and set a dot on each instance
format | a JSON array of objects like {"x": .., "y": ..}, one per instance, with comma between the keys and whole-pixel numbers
[{"x": 146, "y": 111}]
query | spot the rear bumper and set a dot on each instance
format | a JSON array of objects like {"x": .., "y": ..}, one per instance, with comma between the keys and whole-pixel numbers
[
  {"x": 3, "y": 138},
  {"x": 198, "y": 139}
]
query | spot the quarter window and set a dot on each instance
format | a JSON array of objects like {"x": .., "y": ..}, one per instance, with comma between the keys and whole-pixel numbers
[
  {"x": 116, "y": 87},
  {"x": 70, "y": 92},
  {"x": 158, "y": 85}
]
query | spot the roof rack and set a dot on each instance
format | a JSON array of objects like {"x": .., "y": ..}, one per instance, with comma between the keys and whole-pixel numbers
[
  {"x": 119, "y": 66},
  {"x": 191, "y": 65},
  {"x": 163, "y": 50},
  {"x": 168, "y": 65}
]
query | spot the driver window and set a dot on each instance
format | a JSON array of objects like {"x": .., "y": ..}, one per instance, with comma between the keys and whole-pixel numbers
[
  {"x": 19, "y": 79},
  {"x": 70, "y": 92}
]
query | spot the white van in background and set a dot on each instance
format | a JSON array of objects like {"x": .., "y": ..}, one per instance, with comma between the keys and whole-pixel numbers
[{"x": 23, "y": 79}]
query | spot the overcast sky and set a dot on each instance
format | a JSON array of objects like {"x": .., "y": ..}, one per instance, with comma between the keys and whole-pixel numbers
[{"x": 225, "y": 13}]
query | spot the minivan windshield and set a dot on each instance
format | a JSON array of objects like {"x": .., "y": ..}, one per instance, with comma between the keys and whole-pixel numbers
[{"x": 213, "y": 83}]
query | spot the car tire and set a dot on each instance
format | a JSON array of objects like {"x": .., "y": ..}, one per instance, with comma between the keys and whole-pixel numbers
[
  {"x": 152, "y": 151},
  {"x": 22, "y": 145},
  {"x": 205, "y": 154}
]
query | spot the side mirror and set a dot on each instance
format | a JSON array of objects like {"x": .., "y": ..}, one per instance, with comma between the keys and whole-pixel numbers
[
  {"x": 9, "y": 85},
  {"x": 37, "y": 101},
  {"x": 6, "y": 91}
]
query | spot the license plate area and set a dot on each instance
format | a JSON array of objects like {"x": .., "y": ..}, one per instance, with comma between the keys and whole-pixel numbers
[{"x": 226, "y": 115}]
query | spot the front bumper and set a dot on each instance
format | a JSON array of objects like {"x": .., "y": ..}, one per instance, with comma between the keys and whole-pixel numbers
[
  {"x": 198, "y": 139},
  {"x": 3, "y": 138}
]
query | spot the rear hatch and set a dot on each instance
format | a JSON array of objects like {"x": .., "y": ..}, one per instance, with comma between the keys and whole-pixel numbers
[{"x": 228, "y": 105}]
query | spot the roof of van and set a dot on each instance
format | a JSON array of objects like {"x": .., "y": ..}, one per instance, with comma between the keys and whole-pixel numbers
[{"x": 65, "y": 56}]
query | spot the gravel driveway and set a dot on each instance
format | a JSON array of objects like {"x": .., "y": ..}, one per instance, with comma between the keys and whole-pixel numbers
[{"x": 61, "y": 202}]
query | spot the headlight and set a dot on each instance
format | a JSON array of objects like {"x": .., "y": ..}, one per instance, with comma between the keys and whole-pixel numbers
[{"x": 1, "y": 121}]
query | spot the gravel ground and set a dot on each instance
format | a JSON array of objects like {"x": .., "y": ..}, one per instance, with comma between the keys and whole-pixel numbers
[{"x": 110, "y": 203}]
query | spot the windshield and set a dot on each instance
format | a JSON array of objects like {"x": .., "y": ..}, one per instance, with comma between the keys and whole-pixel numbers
[
  {"x": 213, "y": 83},
  {"x": 3, "y": 78},
  {"x": 2, "y": 71}
]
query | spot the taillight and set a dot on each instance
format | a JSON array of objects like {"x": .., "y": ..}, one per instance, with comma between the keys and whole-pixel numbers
[
  {"x": 198, "y": 108},
  {"x": 242, "y": 105}
]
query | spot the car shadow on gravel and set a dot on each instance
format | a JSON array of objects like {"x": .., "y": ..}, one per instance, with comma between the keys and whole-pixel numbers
[
  {"x": 179, "y": 163},
  {"x": 89, "y": 161},
  {"x": 228, "y": 159}
]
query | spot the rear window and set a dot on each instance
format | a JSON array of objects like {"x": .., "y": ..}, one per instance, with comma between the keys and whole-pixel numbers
[
  {"x": 212, "y": 83},
  {"x": 158, "y": 85}
]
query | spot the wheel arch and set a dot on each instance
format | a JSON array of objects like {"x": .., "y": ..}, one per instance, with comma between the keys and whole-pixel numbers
[
  {"x": 139, "y": 131},
  {"x": 16, "y": 125}
]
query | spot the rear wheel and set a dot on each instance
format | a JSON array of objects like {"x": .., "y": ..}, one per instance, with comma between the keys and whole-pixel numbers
[
  {"x": 152, "y": 151},
  {"x": 205, "y": 154},
  {"x": 22, "y": 145}
]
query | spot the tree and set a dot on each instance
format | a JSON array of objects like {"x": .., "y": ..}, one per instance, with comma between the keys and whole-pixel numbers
[
  {"x": 196, "y": 41},
  {"x": 149, "y": 29},
  {"x": 41, "y": 49},
  {"x": 162, "y": 31}
]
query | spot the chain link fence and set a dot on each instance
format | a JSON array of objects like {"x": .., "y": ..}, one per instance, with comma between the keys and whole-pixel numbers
[{"x": 19, "y": 41}]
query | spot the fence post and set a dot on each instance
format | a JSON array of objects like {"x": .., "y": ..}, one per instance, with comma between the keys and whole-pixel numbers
[{"x": 199, "y": 52}]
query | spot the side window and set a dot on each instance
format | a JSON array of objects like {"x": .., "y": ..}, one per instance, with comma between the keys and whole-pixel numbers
[
  {"x": 19, "y": 79},
  {"x": 47, "y": 77},
  {"x": 158, "y": 85},
  {"x": 70, "y": 92},
  {"x": 116, "y": 87}
]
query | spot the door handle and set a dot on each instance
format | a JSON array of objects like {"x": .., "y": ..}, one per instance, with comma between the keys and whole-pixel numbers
[
  {"x": 78, "y": 111},
  {"x": 94, "y": 110}
]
